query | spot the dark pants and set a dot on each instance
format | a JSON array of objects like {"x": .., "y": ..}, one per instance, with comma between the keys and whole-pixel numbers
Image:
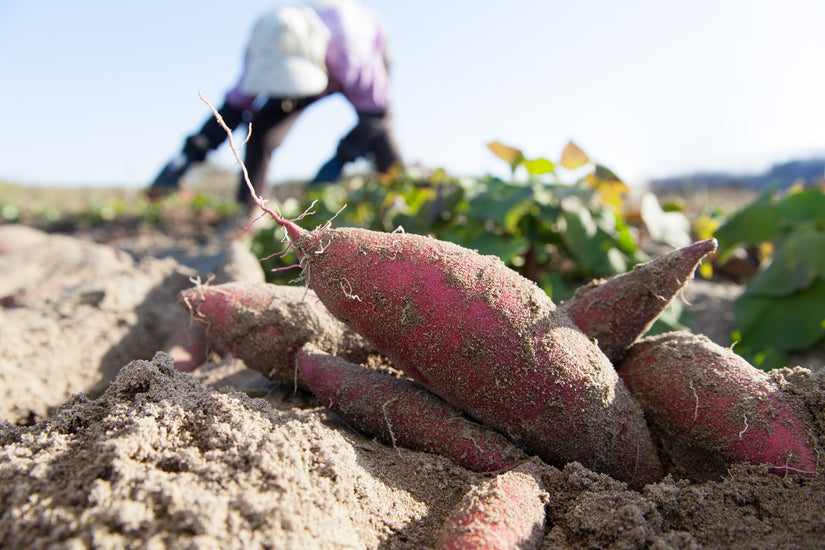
[{"x": 373, "y": 137}]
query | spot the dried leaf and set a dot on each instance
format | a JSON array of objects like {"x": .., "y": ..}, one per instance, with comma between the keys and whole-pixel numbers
[
  {"x": 510, "y": 155},
  {"x": 572, "y": 157}
]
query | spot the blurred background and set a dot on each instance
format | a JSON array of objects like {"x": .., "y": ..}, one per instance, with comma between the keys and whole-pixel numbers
[{"x": 103, "y": 93}]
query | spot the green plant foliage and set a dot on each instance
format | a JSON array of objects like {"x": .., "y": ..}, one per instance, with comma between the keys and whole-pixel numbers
[
  {"x": 756, "y": 223},
  {"x": 783, "y": 308},
  {"x": 665, "y": 226},
  {"x": 64, "y": 209},
  {"x": 557, "y": 234}
]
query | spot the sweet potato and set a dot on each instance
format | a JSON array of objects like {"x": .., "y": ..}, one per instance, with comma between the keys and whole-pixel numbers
[
  {"x": 504, "y": 513},
  {"x": 485, "y": 339},
  {"x": 264, "y": 325},
  {"x": 402, "y": 412},
  {"x": 710, "y": 407},
  {"x": 618, "y": 311},
  {"x": 482, "y": 337}
]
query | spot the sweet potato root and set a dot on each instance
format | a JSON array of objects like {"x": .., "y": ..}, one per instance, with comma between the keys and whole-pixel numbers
[
  {"x": 710, "y": 407},
  {"x": 504, "y": 513},
  {"x": 483, "y": 338},
  {"x": 264, "y": 325},
  {"x": 618, "y": 311},
  {"x": 402, "y": 412}
]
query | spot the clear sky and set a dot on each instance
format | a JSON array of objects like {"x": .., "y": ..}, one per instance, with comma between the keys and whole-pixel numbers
[{"x": 102, "y": 92}]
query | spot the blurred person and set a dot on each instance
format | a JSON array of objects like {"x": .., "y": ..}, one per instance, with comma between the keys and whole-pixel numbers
[{"x": 296, "y": 56}]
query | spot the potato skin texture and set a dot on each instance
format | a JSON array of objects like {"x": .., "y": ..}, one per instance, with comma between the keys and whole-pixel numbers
[
  {"x": 485, "y": 339},
  {"x": 404, "y": 413},
  {"x": 616, "y": 312},
  {"x": 264, "y": 325},
  {"x": 710, "y": 408},
  {"x": 505, "y": 512}
]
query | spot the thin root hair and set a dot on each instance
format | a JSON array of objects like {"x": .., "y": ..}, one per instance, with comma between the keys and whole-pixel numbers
[
  {"x": 745, "y": 429},
  {"x": 348, "y": 290},
  {"x": 328, "y": 223},
  {"x": 284, "y": 268},
  {"x": 282, "y": 253},
  {"x": 389, "y": 424},
  {"x": 307, "y": 212},
  {"x": 274, "y": 214}
]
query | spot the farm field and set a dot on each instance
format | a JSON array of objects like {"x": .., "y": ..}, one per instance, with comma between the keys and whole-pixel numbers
[{"x": 105, "y": 444}]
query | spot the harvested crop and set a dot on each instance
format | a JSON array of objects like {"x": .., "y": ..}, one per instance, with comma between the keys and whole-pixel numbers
[
  {"x": 402, "y": 412},
  {"x": 504, "y": 513},
  {"x": 481, "y": 336},
  {"x": 618, "y": 311},
  {"x": 485, "y": 339},
  {"x": 710, "y": 407},
  {"x": 264, "y": 325}
]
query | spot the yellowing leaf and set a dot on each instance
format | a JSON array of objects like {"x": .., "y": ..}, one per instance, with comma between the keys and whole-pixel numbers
[
  {"x": 610, "y": 192},
  {"x": 705, "y": 226},
  {"x": 439, "y": 176},
  {"x": 611, "y": 189},
  {"x": 572, "y": 157},
  {"x": 510, "y": 155},
  {"x": 765, "y": 250},
  {"x": 539, "y": 166},
  {"x": 391, "y": 175},
  {"x": 796, "y": 187}
]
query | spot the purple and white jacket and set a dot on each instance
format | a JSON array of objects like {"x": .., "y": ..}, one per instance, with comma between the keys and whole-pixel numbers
[{"x": 356, "y": 58}]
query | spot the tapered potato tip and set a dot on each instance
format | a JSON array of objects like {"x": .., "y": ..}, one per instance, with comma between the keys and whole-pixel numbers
[{"x": 617, "y": 312}]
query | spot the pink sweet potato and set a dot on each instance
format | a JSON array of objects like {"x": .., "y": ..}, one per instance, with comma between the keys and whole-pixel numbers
[
  {"x": 482, "y": 337},
  {"x": 402, "y": 412},
  {"x": 618, "y": 311},
  {"x": 504, "y": 513},
  {"x": 711, "y": 408},
  {"x": 485, "y": 339},
  {"x": 264, "y": 325}
]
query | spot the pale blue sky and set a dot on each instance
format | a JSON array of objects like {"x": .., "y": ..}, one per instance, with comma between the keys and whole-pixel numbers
[{"x": 101, "y": 92}]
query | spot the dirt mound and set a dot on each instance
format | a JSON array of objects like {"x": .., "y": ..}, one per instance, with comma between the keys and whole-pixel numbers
[
  {"x": 74, "y": 312},
  {"x": 160, "y": 459}
]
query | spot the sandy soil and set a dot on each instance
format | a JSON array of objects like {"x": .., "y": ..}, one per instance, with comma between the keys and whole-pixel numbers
[{"x": 106, "y": 445}]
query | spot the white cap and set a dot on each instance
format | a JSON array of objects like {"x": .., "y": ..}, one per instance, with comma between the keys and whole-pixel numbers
[{"x": 286, "y": 56}]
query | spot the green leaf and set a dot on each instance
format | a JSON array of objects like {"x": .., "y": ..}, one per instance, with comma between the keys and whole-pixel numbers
[
  {"x": 675, "y": 317},
  {"x": 504, "y": 206},
  {"x": 665, "y": 227},
  {"x": 790, "y": 323},
  {"x": 584, "y": 240},
  {"x": 627, "y": 241},
  {"x": 604, "y": 173},
  {"x": 756, "y": 223},
  {"x": 495, "y": 245},
  {"x": 615, "y": 261},
  {"x": 804, "y": 206},
  {"x": 796, "y": 263},
  {"x": 555, "y": 287},
  {"x": 762, "y": 358}
]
